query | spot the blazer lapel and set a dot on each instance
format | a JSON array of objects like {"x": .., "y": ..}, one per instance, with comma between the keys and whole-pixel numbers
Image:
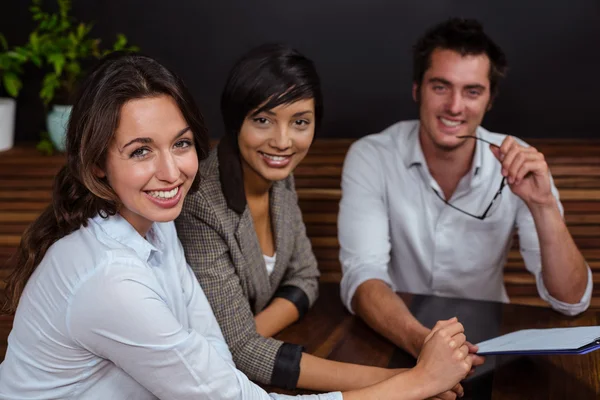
[
  {"x": 282, "y": 230},
  {"x": 254, "y": 261}
]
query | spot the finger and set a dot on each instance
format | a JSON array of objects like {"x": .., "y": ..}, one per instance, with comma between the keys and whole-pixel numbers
[
  {"x": 537, "y": 167},
  {"x": 513, "y": 153},
  {"x": 451, "y": 330},
  {"x": 442, "y": 323},
  {"x": 477, "y": 360},
  {"x": 509, "y": 158},
  {"x": 473, "y": 348},
  {"x": 506, "y": 145},
  {"x": 458, "y": 389},
  {"x": 496, "y": 152},
  {"x": 448, "y": 395},
  {"x": 519, "y": 159},
  {"x": 457, "y": 340},
  {"x": 461, "y": 353},
  {"x": 468, "y": 362}
]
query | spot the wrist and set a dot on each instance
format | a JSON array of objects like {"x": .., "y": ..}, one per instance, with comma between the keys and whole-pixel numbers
[
  {"x": 542, "y": 205},
  {"x": 544, "y": 211},
  {"x": 417, "y": 339},
  {"x": 422, "y": 383}
]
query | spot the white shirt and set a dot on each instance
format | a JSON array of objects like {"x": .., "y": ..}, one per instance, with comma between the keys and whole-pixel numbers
[
  {"x": 270, "y": 262},
  {"x": 109, "y": 315},
  {"x": 392, "y": 226}
]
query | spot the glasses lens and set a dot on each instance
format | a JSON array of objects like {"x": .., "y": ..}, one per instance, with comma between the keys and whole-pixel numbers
[{"x": 495, "y": 205}]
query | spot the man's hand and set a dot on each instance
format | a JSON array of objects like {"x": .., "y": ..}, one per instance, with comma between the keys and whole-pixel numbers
[
  {"x": 526, "y": 172},
  {"x": 477, "y": 360}
]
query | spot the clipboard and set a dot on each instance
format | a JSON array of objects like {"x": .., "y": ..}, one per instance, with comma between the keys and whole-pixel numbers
[{"x": 553, "y": 341}]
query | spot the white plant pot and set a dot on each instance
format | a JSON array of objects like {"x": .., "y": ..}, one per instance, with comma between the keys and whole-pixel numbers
[{"x": 8, "y": 111}]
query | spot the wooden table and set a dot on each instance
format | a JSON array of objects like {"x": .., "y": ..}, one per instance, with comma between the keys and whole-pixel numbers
[{"x": 329, "y": 331}]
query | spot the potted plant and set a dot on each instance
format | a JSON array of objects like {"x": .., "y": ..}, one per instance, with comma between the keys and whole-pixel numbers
[
  {"x": 11, "y": 61},
  {"x": 63, "y": 45}
]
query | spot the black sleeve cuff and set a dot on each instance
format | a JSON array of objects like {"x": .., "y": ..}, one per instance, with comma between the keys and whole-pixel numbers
[
  {"x": 287, "y": 366},
  {"x": 296, "y": 296}
]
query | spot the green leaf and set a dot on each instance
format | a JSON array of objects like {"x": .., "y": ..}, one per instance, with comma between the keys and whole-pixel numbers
[
  {"x": 34, "y": 40},
  {"x": 49, "y": 86},
  {"x": 120, "y": 43},
  {"x": 12, "y": 83},
  {"x": 17, "y": 55},
  {"x": 83, "y": 30},
  {"x": 58, "y": 61},
  {"x": 73, "y": 68},
  {"x": 3, "y": 42},
  {"x": 52, "y": 22},
  {"x": 36, "y": 60},
  {"x": 45, "y": 145}
]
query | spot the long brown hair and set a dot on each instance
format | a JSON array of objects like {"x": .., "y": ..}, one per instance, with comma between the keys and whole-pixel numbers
[{"x": 78, "y": 194}]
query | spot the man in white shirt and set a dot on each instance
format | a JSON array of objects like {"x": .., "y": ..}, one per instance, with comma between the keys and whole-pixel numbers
[{"x": 430, "y": 206}]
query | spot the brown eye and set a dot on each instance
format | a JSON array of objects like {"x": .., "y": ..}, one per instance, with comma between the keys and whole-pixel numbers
[
  {"x": 261, "y": 120},
  {"x": 182, "y": 144}
]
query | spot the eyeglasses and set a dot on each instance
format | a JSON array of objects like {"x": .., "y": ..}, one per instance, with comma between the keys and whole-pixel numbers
[{"x": 495, "y": 200}]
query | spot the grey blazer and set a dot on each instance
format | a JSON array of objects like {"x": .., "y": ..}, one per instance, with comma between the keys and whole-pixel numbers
[{"x": 220, "y": 243}]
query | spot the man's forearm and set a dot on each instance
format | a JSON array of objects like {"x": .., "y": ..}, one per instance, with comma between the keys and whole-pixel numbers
[
  {"x": 377, "y": 304},
  {"x": 563, "y": 268}
]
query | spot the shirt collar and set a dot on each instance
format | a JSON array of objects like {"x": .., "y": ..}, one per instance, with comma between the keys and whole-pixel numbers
[
  {"x": 119, "y": 229},
  {"x": 413, "y": 152}
]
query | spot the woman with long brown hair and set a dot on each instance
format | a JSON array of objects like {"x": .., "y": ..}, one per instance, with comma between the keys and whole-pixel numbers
[{"x": 106, "y": 305}]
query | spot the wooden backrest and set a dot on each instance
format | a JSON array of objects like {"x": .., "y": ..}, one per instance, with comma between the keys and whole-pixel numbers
[{"x": 26, "y": 180}]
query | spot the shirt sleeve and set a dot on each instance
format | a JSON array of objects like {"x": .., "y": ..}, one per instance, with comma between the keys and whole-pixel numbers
[
  {"x": 363, "y": 229},
  {"x": 265, "y": 360},
  {"x": 531, "y": 253},
  {"x": 300, "y": 285}
]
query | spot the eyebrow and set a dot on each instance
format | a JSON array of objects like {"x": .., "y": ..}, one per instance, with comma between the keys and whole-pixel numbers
[
  {"x": 448, "y": 83},
  {"x": 298, "y": 114},
  {"x": 146, "y": 140}
]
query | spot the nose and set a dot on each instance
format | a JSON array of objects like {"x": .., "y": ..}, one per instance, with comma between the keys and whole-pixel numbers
[
  {"x": 282, "y": 139},
  {"x": 167, "y": 169},
  {"x": 455, "y": 105}
]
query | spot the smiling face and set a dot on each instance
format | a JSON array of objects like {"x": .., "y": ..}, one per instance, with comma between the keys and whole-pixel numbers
[
  {"x": 273, "y": 142},
  {"x": 453, "y": 97},
  {"x": 151, "y": 162}
]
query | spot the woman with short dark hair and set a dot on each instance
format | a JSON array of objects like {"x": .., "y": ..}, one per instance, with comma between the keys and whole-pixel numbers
[{"x": 243, "y": 232}]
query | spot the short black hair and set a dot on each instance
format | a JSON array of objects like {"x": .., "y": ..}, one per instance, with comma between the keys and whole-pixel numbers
[
  {"x": 266, "y": 77},
  {"x": 464, "y": 36}
]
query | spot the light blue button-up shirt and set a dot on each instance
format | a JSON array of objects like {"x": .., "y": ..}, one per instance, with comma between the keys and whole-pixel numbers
[{"x": 110, "y": 315}]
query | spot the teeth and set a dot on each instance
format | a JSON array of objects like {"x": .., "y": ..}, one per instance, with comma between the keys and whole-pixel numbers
[
  {"x": 449, "y": 123},
  {"x": 274, "y": 158},
  {"x": 159, "y": 194}
]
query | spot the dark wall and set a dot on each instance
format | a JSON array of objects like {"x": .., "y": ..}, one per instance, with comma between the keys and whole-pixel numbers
[{"x": 362, "y": 52}]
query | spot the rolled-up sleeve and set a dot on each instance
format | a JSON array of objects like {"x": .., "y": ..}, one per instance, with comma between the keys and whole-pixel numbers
[
  {"x": 531, "y": 253},
  {"x": 363, "y": 229},
  {"x": 265, "y": 360},
  {"x": 300, "y": 285}
]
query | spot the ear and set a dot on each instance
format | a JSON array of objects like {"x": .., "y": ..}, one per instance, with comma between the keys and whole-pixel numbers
[
  {"x": 98, "y": 172},
  {"x": 415, "y": 92},
  {"x": 489, "y": 106}
]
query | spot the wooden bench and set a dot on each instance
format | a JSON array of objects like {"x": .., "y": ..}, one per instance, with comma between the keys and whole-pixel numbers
[{"x": 26, "y": 180}]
